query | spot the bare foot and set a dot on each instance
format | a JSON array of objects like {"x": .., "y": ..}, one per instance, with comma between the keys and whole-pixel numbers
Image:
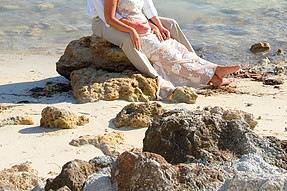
[
  {"x": 222, "y": 71},
  {"x": 218, "y": 82}
]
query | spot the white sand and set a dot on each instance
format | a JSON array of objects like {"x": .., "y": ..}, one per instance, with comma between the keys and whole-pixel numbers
[{"x": 48, "y": 150}]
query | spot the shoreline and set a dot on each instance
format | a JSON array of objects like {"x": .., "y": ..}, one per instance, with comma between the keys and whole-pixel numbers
[{"x": 48, "y": 151}]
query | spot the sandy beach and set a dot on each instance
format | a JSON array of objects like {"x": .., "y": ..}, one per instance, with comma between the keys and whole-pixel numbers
[{"x": 49, "y": 149}]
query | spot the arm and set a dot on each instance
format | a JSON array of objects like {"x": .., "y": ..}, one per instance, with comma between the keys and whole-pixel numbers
[
  {"x": 110, "y": 7},
  {"x": 140, "y": 27}
]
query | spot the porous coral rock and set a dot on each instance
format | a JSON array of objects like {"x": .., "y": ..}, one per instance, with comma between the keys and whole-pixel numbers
[
  {"x": 183, "y": 95},
  {"x": 19, "y": 177},
  {"x": 18, "y": 120},
  {"x": 138, "y": 115},
  {"x": 192, "y": 136},
  {"x": 91, "y": 85},
  {"x": 111, "y": 144},
  {"x": 92, "y": 51},
  {"x": 60, "y": 118}
]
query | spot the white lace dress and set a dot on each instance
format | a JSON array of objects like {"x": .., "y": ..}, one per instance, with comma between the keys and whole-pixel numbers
[{"x": 172, "y": 60}]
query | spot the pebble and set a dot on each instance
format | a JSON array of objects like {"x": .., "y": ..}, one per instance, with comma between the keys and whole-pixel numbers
[{"x": 45, "y": 6}]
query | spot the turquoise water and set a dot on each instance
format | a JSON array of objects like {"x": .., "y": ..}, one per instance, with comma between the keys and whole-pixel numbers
[{"x": 222, "y": 30}]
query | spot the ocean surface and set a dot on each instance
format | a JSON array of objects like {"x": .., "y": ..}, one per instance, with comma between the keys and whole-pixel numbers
[{"x": 220, "y": 30}]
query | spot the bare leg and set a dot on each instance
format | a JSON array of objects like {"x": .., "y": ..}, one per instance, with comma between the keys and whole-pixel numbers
[{"x": 222, "y": 71}]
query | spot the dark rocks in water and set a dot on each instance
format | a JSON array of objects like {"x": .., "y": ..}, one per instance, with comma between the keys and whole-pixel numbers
[
  {"x": 75, "y": 173},
  {"x": 182, "y": 136},
  {"x": 138, "y": 115},
  {"x": 260, "y": 47},
  {"x": 92, "y": 52},
  {"x": 280, "y": 52}
]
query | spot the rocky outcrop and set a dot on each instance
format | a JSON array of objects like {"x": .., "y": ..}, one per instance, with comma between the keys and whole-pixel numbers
[
  {"x": 75, "y": 173},
  {"x": 111, "y": 144},
  {"x": 138, "y": 115},
  {"x": 92, "y": 52},
  {"x": 194, "y": 136},
  {"x": 18, "y": 120},
  {"x": 19, "y": 177},
  {"x": 183, "y": 95},
  {"x": 60, "y": 118},
  {"x": 90, "y": 85},
  {"x": 99, "y": 70},
  {"x": 260, "y": 47}
]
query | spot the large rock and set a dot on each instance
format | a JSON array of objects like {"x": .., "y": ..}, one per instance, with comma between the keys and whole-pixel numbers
[
  {"x": 60, "y": 118},
  {"x": 194, "y": 136},
  {"x": 143, "y": 171},
  {"x": 138, "y": 115},
  {"x": 75, "y": 173},
  {"x": 19, "y": 177},
  {"x": 94, "y": 52},
  {"x": 90, "y": 85}
]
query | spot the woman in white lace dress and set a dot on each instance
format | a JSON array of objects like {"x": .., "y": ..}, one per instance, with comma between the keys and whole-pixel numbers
[{"x": 175, "y": 64}]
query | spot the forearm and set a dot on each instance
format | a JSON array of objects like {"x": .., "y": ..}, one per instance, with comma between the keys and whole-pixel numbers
[
  {"x": 156, "y": 21},
  {"x": 119, "y": 25}
]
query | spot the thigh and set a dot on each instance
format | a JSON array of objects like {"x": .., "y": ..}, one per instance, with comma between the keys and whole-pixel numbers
[
  {"x": 167, "y": 22},
  {"x": 108, "y": 33}
]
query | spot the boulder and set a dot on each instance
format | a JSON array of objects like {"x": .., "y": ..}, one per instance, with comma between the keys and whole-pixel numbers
[
  {"x": 138, "y": 115},
  {"x": 183, "y": 95},
  {"x": 60, "y": 118},
  {"x": 260, "y": 47},
  {"x": 143, "y": 171},
  {"x": 95, "y": 52},
  {"x": 90, "y": 85},
  {"x": 75, "y": 173},
  {"x": 19, "y": 177},
  {"x": 182, "y": 136}
]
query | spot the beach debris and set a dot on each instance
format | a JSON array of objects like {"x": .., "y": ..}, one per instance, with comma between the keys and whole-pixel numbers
[
  {"x": 260, "y": 47},
  {"x": 75, "y": 173},
  {"x": 183, "y": 136},
  {"x": 4, "y": 108},
  {"x": 183, "y": 95},
  {"x": 61, "y": 118},
  {"x": 91, "y": 85},
  {"x": 95, "y": 52},
  {"x": 50, "y": 89},
  {"x": 18, "y": 120},
  {"x": 111, "y": 144},
  {"x": 19, "y": 177},
  {"x": 138, "y": 115},
  {"x": 273, "y": 80}
]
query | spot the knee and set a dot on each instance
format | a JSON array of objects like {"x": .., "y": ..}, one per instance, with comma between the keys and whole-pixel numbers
[{"x": 174, "y": 23}]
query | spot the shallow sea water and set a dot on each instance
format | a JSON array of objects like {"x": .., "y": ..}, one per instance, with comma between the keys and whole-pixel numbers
[{"x": 221, "y": 30}]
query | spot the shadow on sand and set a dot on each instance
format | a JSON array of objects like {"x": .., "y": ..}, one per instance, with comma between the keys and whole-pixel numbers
[
  {"x": 19, "y": 92},
  {"x": 38, "y": 130}
]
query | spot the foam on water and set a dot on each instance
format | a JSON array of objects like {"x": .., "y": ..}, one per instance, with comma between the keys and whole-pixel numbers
[{"x": 222, "y": 30}]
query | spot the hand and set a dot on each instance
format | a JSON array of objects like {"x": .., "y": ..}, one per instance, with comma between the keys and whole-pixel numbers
[
  {"x": 156, "y": 31},
  {"x": 135, "y": 39},
  {"x": 164, "y": 33},
  {"x": 142, "y": 28}
]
